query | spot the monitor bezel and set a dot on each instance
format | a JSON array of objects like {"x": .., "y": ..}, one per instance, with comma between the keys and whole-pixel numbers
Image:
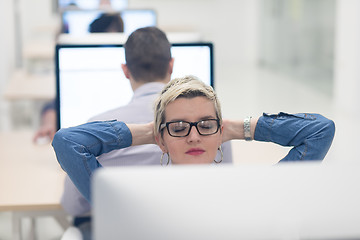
[
  {"x": 60, "y": 7},
  {"x": 101, "y": 11}
]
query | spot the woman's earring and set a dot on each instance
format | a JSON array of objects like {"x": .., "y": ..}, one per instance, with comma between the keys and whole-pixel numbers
[
  {"x": 222, "y": 155},
  {"x": 168, "y": 159}
]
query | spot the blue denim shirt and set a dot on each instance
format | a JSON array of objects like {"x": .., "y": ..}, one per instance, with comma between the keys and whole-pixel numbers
[
  {"x": 310, "y": 135},
  {"x": 76, "y": 148}
]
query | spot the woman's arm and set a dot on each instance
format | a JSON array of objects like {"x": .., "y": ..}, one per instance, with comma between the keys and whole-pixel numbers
[
  {"x": 310, "y": 135},
  {"x": 234, "y": 129},
  {"x": 76, "y": 149},
  {"x": 142, "y": 133}
]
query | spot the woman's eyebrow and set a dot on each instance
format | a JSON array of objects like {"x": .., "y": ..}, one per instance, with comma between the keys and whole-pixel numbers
[
  {"x": 207, "y": 117},
  {"x": 199, "y": 119}
]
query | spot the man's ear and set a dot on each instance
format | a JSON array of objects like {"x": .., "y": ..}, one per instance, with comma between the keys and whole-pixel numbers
[
  {"x": 126, "y": 70},
  {"x": 171, "y": 65},
  {"x": 160, "y": 142}
]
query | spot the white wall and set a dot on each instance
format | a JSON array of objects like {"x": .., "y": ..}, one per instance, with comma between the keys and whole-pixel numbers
[
  {"x": 7, "y": 56},
  {"x": 347, "y": 81},
  {"x": 232, "y": 25},
  {"x": 37, "y": 20},
  {"x": 347, "y": 52}
]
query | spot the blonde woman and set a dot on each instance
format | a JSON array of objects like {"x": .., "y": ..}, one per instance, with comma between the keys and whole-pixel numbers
[{"x": 189, "y": 129}]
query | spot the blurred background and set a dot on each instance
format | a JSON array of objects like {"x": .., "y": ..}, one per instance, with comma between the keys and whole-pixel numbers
[{"x": 270, "y": 56}]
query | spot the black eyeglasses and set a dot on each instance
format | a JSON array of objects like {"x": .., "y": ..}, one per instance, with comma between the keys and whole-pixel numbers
[{"x": 183, "y": 128}]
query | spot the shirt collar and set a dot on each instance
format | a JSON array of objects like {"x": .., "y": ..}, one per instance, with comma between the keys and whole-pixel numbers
[{"x": 148, "y": 89}]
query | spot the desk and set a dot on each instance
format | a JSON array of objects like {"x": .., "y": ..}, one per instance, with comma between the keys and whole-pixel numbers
[
  {"x": 31, "y": 180},
  {"x": 35, "y": 87}
]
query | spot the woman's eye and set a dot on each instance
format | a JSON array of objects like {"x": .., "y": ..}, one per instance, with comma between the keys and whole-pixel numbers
[
  {"x": 179, "y": 129},
  {"x": 206, "y": 125}
]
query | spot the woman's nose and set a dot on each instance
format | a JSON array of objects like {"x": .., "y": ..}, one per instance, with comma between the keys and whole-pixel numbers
[{"x": 193, "y": 135}]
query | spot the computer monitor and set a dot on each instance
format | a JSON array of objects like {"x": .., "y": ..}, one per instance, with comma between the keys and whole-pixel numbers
[
  {"x": 90, "y": 4},
  {"x": 289, "y": 201},
  {"x": 77, "y": 22},
  {"x": 90, "y": 80}
]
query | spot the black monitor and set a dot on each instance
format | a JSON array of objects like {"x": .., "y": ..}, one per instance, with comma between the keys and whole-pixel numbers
[
  {"x": 90, "y": 4},
  {"x": 77, "y": 22},
  {"x": 90, "y": 81}
]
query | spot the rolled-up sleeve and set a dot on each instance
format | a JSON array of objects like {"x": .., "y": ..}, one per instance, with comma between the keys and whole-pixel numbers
[
  {"x": 310, "y": 135},
  {"x": 76, "y": 149}
]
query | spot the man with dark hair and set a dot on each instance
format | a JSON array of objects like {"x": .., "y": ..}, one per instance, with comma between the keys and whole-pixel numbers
[
  {"x": 148, "y": 67},
  {"x": 148, "y": 64},
  {"x": 107, "y": 22}
]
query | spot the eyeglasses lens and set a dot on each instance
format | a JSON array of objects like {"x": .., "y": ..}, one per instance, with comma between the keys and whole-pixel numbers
[{"x": 182, "y": 129}]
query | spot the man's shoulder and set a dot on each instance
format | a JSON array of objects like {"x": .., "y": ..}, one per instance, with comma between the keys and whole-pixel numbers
[
  {"x": 137, "y": 111},
  {"x": 108, "y": 115},
  {"x": 140, "y": 108}
]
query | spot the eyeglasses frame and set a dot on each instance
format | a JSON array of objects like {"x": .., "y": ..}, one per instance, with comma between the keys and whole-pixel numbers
[{"x": 163, "y": 125}]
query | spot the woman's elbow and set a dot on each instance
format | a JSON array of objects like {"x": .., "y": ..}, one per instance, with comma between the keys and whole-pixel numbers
[
  {"x": 59, "y": 138},
  {"x": 328, "y": 129},
  {"x": 63, "y": 147},
  {"x": 325, "y": 136}
]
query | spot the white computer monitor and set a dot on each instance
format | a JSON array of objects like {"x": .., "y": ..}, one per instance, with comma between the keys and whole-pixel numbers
[
  {"x": 90, "y": 80},
  {"x": 290, "y": 201},
  {"x": 90, "y": 4},
  {"x": 77, "y": 22}
]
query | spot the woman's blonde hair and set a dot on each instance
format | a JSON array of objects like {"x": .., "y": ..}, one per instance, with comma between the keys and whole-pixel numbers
[{"x": 185, "y": 87}]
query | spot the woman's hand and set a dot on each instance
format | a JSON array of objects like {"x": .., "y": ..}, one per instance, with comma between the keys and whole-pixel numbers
[
  {"x": 142, "y": 133},
  {"x": 232, "y": 130}
]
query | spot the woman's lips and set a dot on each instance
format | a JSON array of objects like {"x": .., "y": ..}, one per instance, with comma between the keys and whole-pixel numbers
[{"x": 195, "y": 151}]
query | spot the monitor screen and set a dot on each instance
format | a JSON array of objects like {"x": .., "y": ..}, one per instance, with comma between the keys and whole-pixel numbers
[
  {"x": 77, "y": 22},
  {"x": 91, "y": 4},
  {"x": 90, "y": 80}
]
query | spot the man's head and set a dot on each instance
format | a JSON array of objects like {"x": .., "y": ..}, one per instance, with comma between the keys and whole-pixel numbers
[
  {"x": 148, "y": 56},
  {"x": 107, "y": 22}
]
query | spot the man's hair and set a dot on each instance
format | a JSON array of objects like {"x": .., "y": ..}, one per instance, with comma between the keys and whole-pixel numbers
[
  {"x": 107, "y": 22},
  {"x": 147, "y": 54}
]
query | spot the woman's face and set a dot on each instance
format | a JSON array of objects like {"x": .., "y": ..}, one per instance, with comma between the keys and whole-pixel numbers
[{"x": 193, "y": 148}]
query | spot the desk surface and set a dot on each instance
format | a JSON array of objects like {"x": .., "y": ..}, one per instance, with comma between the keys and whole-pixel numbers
[
  {"x": 30, "y": 177},
  {"x": 26, "y": 86}
]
